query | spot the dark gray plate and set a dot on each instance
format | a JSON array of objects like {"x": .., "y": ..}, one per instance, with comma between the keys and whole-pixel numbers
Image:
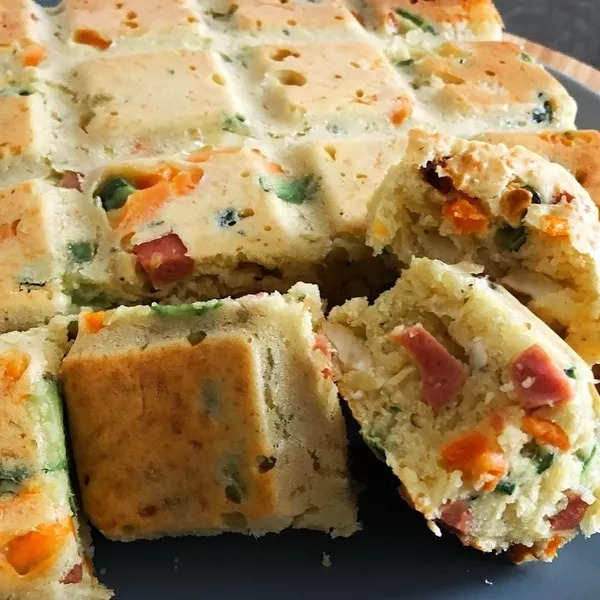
[{"x": 394, "y": 557}]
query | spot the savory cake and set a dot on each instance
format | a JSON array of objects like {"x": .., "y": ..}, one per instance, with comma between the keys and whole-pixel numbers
[
  {"x": 527, "y": 220},
  {"x": 490, "y": 421},
  {"x": 42, "y": 554},
  {"x": 43, "y": 273},
  {"x": 226, "y": 419},
  {"x": 224, "y": 220},
  {"x": 470, "y": 87},
  {"x": 576, "y": 151}
]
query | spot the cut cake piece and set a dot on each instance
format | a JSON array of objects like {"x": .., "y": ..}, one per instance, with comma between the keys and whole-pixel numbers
[
  {"x": 42, "y": 555},
  {"x": 528, "y": 221},
  {"x": 225, "y": 419},
  {"x": 488, "y": 418}
]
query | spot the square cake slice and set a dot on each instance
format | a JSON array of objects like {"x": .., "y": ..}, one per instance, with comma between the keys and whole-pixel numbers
[
  {"x": 226, "y": 220},
  {"x": 42, "y": 555},
  {"x": 51, "y": 253},
  {"x": 471, "y": 87},
  {"x": 225, "y": 419},
  {"x": 527, "y": 220},
  {"x": 426, "y": 22},
  {"x": 138, "y": 101},
  {"x": 490, "y": 421},
  {"x": 354, "y": 89},
  {"x": 104, "y": 25}
]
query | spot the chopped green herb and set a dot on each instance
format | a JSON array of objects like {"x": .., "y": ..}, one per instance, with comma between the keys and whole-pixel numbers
[
  {"x": 294, "y": 191},
  {"x": 545, "y": 114},
  {"x": 235, "y": 490},
  {"x": 210, "y": 396},
  {"x": 417, "y": 20},
  {"x": 335, "y": 128},
  {"x": 171, "y": 71},
  {"x": 184, "y": 310},
  {"x": 511, "y": 238},
  {"x": 525, "y": 57},
  {"x": 32, "y": 284},
  {"x": 236, "y": 124},
  {"x": 115, "y": 191},
  {"x": 228, "y": 217},
  {"x": 81, "y": 252},
  {"x": 225, "y": 57},
  {"x": 586, "y": 460},
  {"x": 375, "y": 444},
  {"x": 506, "y": 486},
  {"x": 404, "y": 63},
  {"x": 536, "y": 198},
  {"x": 570, "y": 372}
]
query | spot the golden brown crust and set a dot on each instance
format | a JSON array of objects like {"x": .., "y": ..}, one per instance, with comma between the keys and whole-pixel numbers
[{"x": 189, "y": 466}]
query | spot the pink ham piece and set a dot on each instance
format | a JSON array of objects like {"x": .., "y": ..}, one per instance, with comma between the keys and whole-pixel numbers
[
  {"x": 164, "y": 260},
  {"x": 538, "y": 381},
  {"x": 71, "y": 180},
  {"x": 442, "y": 375},
  {"x": 570, "y": 516},
  {"x": 75, "y": 575},
  {"x": 457, "y": 516}
]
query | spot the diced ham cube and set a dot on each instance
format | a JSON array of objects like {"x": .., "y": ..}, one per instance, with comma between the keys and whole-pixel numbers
[
  {"x": 71, "y": 180},
  {"x": 570, "y": 516},
  {"x": 442, "y": 375},
  {"x": 164, "y": 260},
  {"x": 75, "y": 575},
  {"x": 538, "y": 381},
  {"x": 457, "y": 516}
]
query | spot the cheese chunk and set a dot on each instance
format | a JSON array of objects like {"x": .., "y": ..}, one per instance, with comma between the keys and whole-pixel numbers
[
  {"x": 144, "y": 97},
  {"x": 42, "y": 555},
  {"x": 354, "y": 88},
  {"x": 225, "y": 419}
]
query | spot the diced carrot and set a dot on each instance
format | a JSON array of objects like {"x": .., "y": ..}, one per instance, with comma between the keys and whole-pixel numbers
[
  {"x": 89, "y": 37},
  {"x": 186, "y": 181},
  {"x": 9, "y": 229},
  {"x": 94, "y": 321},
  {"x": 358, "y": 17},
  {"x": 546, "y": 432},
  {"x": 402, "y": 111},
  {"x": 273, "y": 168},
  {"x": 380, "y": 229},
  {"x": 555, "y": 226},
  {"x": 322, "y": 345},
  {"x": 208, "y": 152},
  {"x": 141, "y": 205},
  {"x": 32, "y": 55},
  {"x": 475, "y": 456},
  {"x": 465, "y": 214},
  {"x": 27, "y": 551},
  {"x": 13, "y": 363},
  {"x": 551, "y": 549}
]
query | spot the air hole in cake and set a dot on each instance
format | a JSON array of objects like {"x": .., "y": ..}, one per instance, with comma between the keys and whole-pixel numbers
[
  {"x": 282, "y": 53},
  {"x": 331, "y": 151},
  {"x": 291, "y": 78}
]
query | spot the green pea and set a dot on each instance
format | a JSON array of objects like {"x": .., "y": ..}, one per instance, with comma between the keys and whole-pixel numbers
[{"x": 115, "y": 191}]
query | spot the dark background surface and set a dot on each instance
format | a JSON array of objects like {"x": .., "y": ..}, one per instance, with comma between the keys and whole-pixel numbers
[{"x": 571, "y": 26}]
